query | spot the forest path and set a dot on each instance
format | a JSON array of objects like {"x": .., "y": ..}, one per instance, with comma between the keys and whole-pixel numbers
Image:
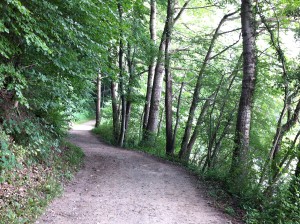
[{"x": 125, "y": 187}]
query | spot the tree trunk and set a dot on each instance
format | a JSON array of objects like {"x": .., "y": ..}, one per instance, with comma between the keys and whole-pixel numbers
[
  {"x": 196, "y": 131},
  {"x": 156, "y": 95},
  {"x": 131, "y": 66},
  {"x": 121, "y": 74},
  {"x": 98, "y": 102},
  {"x": 177, "y": 115},
  {"x": 184, "y": 154},
  {"x": 153, "y": 119},
  {"x": 242, "y": 133},
  {"x": 281, "y": 131},
  {"x": 168, "y": 86},
  {"x": 151, "y": 68},
  {"x": 297, "y": 171},
  {"x": 160, "y": 122},
  {"x": 115, "y": 110}
]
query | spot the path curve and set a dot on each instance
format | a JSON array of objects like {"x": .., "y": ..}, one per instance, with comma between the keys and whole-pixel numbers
[{"x": 119, "y": 186}]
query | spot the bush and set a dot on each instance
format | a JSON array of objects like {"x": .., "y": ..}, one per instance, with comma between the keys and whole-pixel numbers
[{"x": 282, "y": 208}]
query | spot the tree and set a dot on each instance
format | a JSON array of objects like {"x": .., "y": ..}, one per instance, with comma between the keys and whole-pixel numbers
[
  {"x": 243, "y": 124},
  {"x": 98, "y": 101},
  {"x": 153, "y": 37},
  {"x": 184, "y": 153},
  {"x": 152, "y": 123},
  {"x": 168, "y": 86}
]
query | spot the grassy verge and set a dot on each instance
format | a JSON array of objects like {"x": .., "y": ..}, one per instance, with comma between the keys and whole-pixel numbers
[
  {"x": 28, "y": 188},
  {"x": 83, "y": 117}
]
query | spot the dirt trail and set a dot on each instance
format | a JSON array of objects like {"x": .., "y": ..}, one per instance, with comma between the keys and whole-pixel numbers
[{"x": 124, "y": 187}]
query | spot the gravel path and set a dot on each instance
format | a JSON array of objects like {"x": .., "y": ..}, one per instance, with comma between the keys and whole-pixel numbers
[{"x": 124, "y": 187}]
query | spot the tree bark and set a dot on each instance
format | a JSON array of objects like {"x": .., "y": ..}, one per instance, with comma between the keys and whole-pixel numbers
[
  {"x": 168, "y": 86},
  {"x": 177, "y": 115},
  {"x": 131, "y": 66},
  {"x": 242, "y": 133},
  {"x": 151, "y": 68},
  {"x": 156, "y": 94},
  {"x": 153, "y": 119},
  {"x": 121, "y": 74},
  {"x": 115, "y": 110},
  {"x": 98, "y": 102}
]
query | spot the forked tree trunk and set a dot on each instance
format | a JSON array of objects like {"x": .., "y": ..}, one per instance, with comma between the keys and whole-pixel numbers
[
  {"x": 153, "y": 120},
  {"x": 151, "y": 68},
  {"x": 242, "y": 133}
]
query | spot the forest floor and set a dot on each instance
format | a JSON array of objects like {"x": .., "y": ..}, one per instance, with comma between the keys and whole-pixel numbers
[{"x": 120, "y": 186}]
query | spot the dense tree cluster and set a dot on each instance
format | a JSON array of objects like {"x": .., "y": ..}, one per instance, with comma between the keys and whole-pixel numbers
[{"x": 212, "y": 83}]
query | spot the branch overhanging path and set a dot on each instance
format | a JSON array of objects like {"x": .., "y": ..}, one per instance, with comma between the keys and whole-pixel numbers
[{"x": 122, "y": 186}]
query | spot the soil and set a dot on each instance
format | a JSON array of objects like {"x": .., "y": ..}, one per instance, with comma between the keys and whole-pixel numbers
[{"x": 118, "y": 186}]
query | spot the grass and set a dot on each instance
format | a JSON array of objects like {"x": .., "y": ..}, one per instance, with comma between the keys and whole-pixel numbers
[
  {"x": 83, "y": 117},
  {"x": 27, "y": 190}
]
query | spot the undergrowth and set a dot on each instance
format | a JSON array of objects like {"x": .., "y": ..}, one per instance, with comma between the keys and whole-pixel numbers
[
  {"x": 27, "y": 187},
  {"x": 84, "y": 116}
]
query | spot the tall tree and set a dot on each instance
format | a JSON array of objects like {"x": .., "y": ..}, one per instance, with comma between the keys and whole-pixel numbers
[
  {"x": 168, "y": 86},
  {"x": 153, "y": 119},
  {"x": 121, "y": 78},
  {"x": 151, "y": 68},
  {"x": 242, "y": 133}
]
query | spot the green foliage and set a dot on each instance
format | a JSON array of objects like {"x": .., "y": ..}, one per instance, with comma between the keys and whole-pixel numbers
[
  {"x": 52, "y": 51},
  {"x": 281, "y": 209},
  {"x": 106, "y": 133},
  {"x": 30, "y": 188},
  {"x": 7, "y": 158}
]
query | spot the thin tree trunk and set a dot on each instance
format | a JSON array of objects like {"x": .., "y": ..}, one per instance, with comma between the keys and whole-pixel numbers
[
  {"x": 151, "y": 68},
  {"x": 115, "y": 110},
  {"x": 196, "y": 131},
  {"x": 297, "y": 171},
  {"x": 242, "y": 133},
  {"x": 121, "y": 76},
  {"x": 153, "y": 119},
  {"x": 177, "y": 115},
  {"x": 183, "y": 154},
  {"x": 130, "y": 64},
  {"x": 279, "y": 136},
  {"x": 98, "y": 102},
  {"x": 213, "y": 131},
  {"x": 286, "y": 161}
]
